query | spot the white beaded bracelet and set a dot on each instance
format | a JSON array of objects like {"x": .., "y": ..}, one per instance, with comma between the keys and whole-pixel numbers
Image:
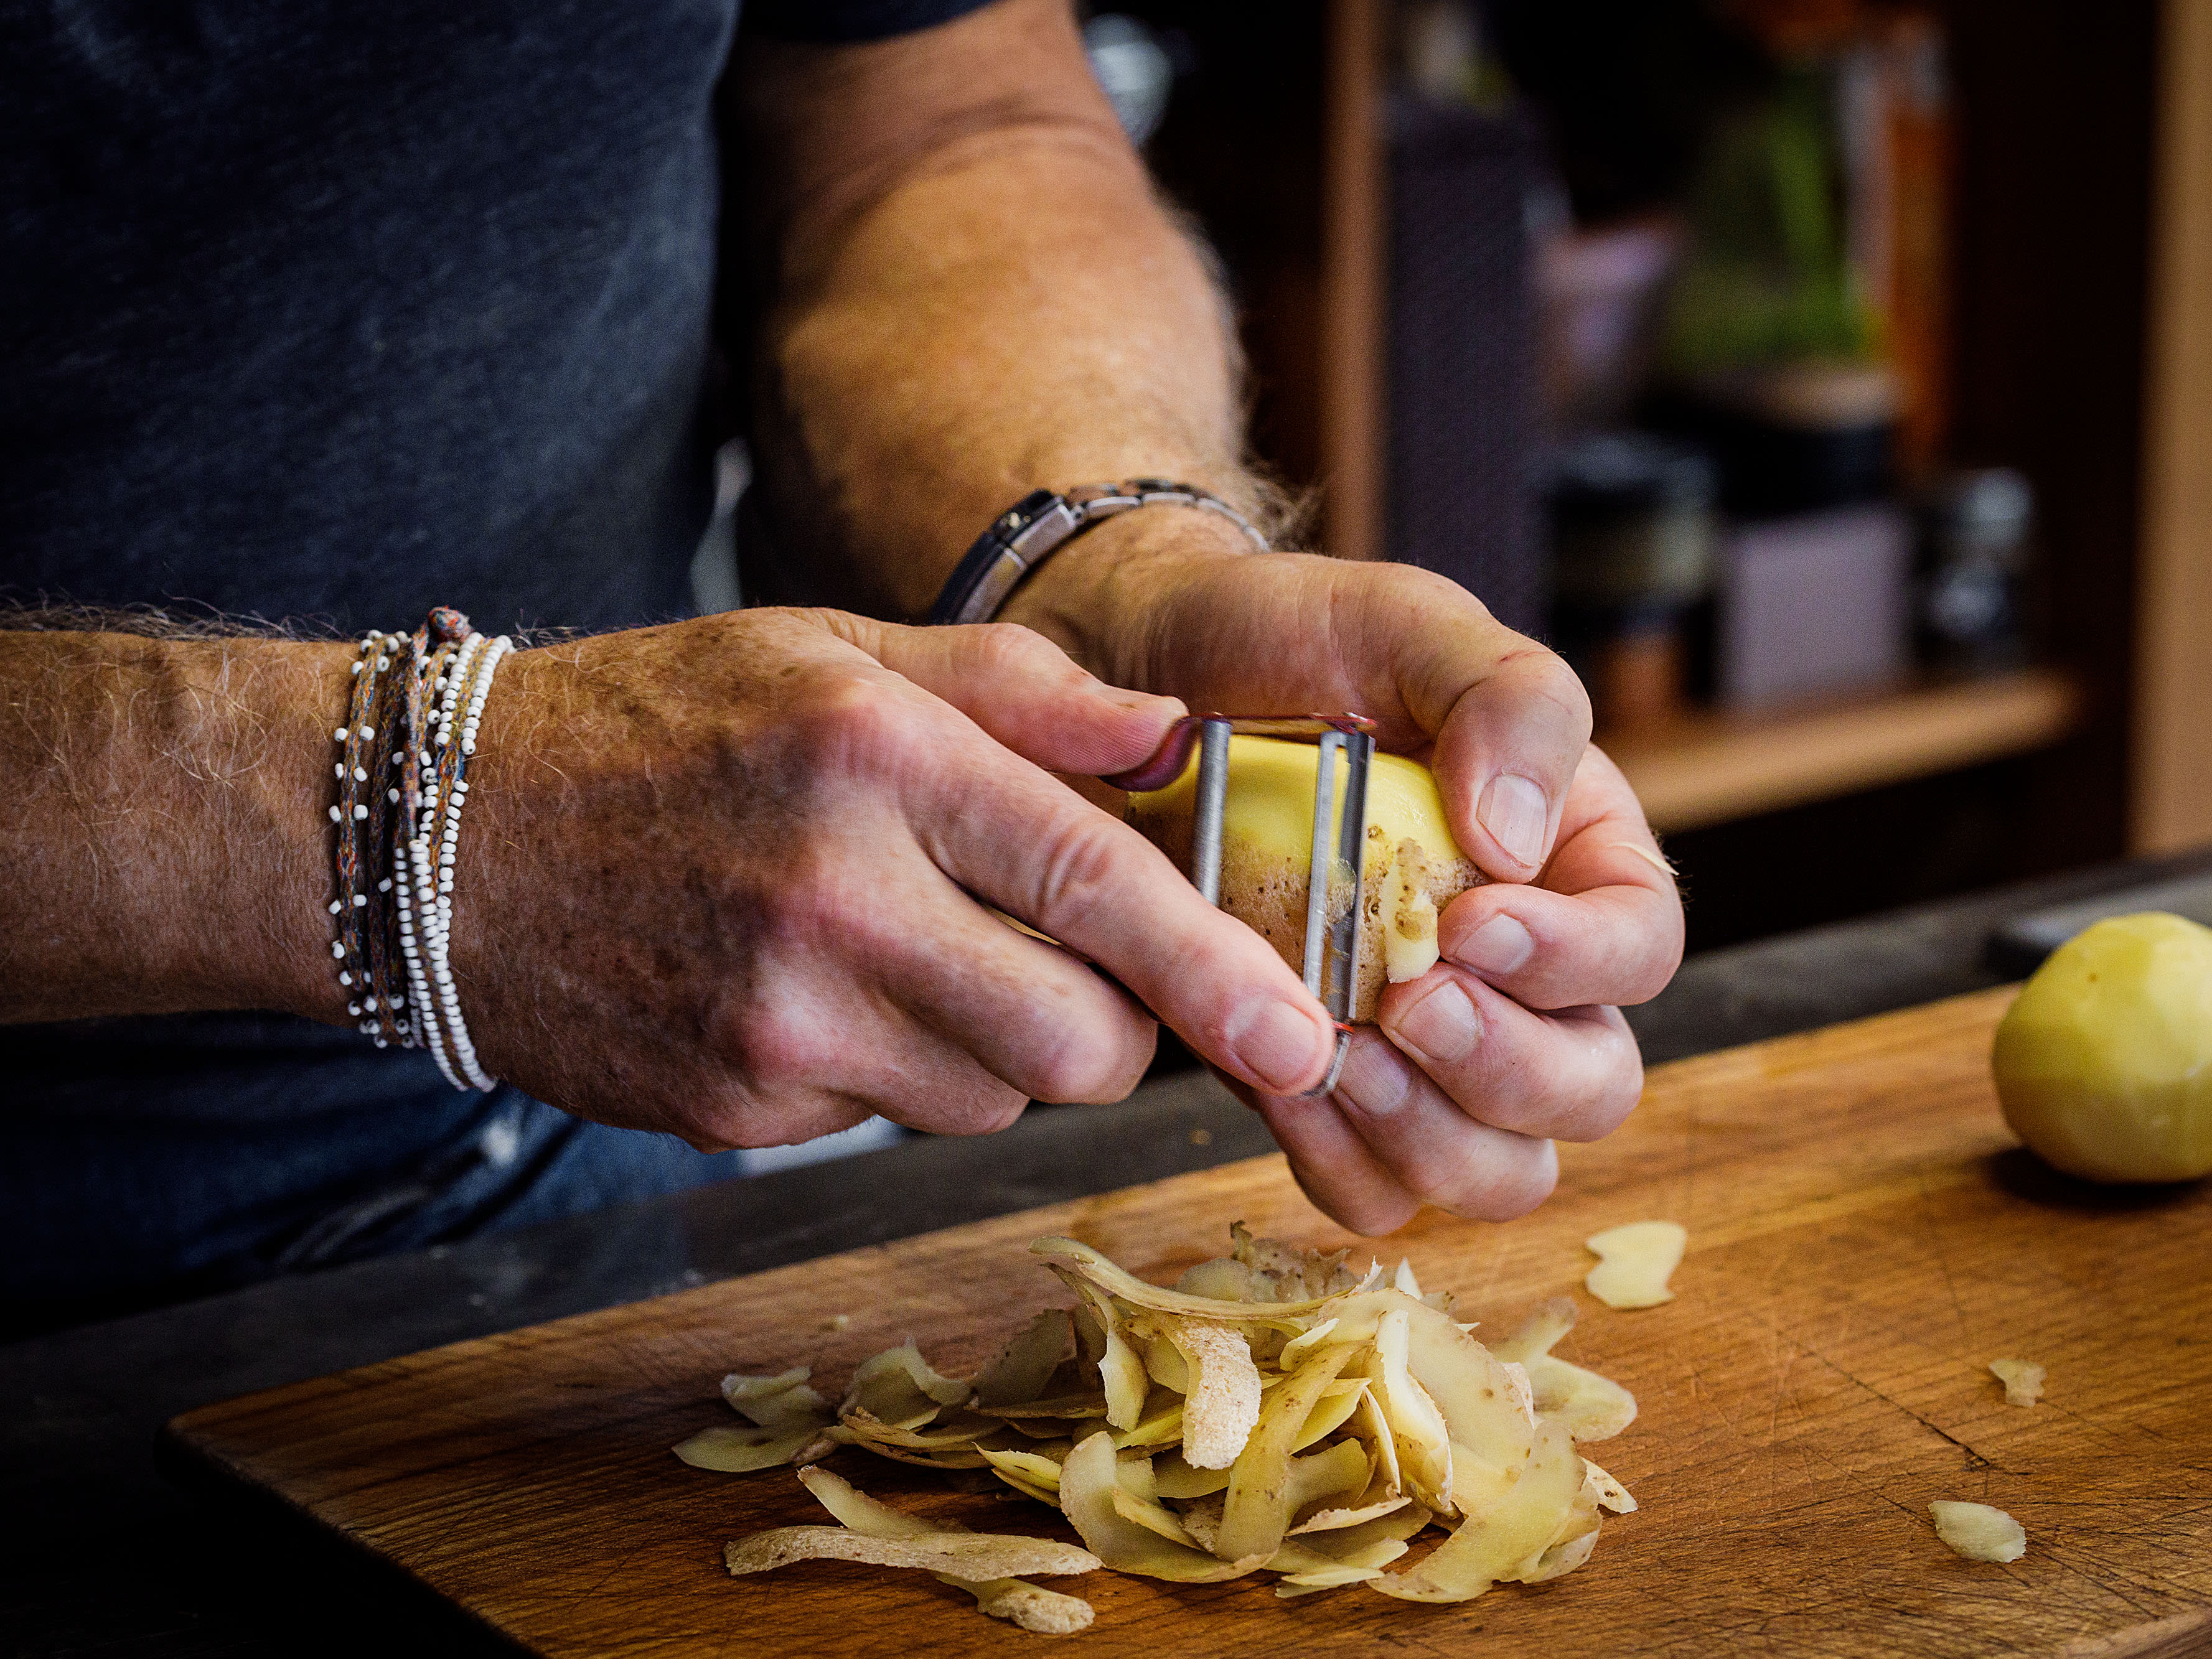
[
  {"x": 416, "y": 888},
  {"x": 460, "y": 713},
  {"x": 418, "y": 906}
]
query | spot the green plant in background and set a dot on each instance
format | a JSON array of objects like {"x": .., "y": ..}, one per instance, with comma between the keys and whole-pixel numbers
[{"x": 1768, "y": 279}]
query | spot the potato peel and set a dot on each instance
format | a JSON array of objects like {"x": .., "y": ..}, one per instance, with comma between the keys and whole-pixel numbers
[
  {"x": 1024, "y": 1366},
  {"x": 1277, "y": 1411},
  {"x": 1417, "y": 1427},
  {"x": 1295, "y": 1350},
  {"x": 1341, "y": 1472},
  {"x": 1073, "y": 1406},
  {"x": 1174, "y": 1477},
  {"x": 1032, "y": 1607},
  {"x": 1592, "y": 1407},
  {"x": 2022, "y": 1380},
  {"x": 1256, "y": 1512},
  {"x": 1086, "y": 1497},
  {"x": 1033, "y": 1467},
  {"x": 1502, "y": 1541},
  {"x": 780, "y": 1401},
  {"x": 1979, "y": 1532},
  {"x": 1469, "y": 1385},
  {"x": 742, "y": 1451},
  {"x": 947, "y": 1436},
  {"x": 1605, "y": 1491},
  {"x": 1337, "y": 1401},
  {"x": 1079, "y": 1264},
  {"x": 1635, "y": 1262},
  {"x": 1152, "y": 1514},
  {"x": 1284, "y": 1272},
  {"x": 1337, "y": 1520},
  {"x": 1222, "y": 1403},
  {"x": 899, "y": 1390},
  {"x": 971, "y": 1555}
]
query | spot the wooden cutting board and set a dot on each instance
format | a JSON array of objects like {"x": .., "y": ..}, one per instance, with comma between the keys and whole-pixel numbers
[{"x": 1864, "y": 1239}]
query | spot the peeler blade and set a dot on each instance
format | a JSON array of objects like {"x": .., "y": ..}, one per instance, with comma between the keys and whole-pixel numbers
[
  {"x": 1351, "y": 850},
  {"x": 1340, "y": 837},
  {"x": 1213, "y": 797}
]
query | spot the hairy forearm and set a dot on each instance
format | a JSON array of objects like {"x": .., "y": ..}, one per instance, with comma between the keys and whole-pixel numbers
[
  {"x": 991, "y": 301},
  {"x": 161, "y": 847}
]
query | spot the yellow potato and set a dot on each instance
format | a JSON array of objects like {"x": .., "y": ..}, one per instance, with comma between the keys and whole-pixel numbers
[
  {"x": 1411, "y": 867},
  {"x": 2103, "y": 1064}
]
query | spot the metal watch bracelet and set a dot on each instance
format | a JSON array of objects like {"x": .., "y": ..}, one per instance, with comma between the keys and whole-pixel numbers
[{"x": 1041, "y": 523}]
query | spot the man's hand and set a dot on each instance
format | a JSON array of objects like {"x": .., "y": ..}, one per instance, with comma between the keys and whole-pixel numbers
[
  {"x": 1514, "y": 1039},
  {"x": 727, "y": 877},
  {"x": 970, "y": 292}
]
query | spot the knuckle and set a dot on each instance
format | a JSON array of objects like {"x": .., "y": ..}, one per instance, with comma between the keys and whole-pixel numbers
[
  {"x": 1423, "y": 594},
  {"x": 984, "y": 1107},
  {"x": 1002, "y": 1111},
  {"x": 1627, "y": 1089},
  {"x": 774, "y": 1044},
  {"x": 1078, "y": 870},
  {"x": 1442, "y": 1181},
  {"x": 819, "y": 899},
  {"x": 1506, "y": 1188},
  {"x": 1371, "y": 1215},
  {"x": 997, "y": 648},
  {"x": 1661, "y": 967},
  {"x": 1543, "y": 673},
  {"x": 1555, "y": 678},
  {"x": 1609, "y": 1094},
  {"x": 1454, "y": 1177},
  {"x": 1086, "y": 1065},
  {"x": 859, "y": 724}
]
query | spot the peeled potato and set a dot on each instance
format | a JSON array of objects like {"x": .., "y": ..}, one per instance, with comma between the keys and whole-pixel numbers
[
  {"x": 1412, "y": 869},
  {"x": 2103, "y": 1064}
]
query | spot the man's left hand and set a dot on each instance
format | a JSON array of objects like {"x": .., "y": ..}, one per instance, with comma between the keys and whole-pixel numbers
[{"x": 1514, "y": 1039}]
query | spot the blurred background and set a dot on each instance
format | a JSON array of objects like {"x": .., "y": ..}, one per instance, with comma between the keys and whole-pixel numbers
[{"x": 1831, "y": 382}]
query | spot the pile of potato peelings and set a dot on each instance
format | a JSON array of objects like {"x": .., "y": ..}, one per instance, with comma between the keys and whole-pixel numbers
[{"x": 1275, "y": 1412}]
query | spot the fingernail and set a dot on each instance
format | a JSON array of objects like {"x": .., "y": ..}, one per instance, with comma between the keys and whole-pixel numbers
[
  {"x": 1514, "y": 811},
  {"x": 1374, "y": 1081},
  {"x": 1442, "y": 1026},
  {"x": 1498, "y": 947},
  {"x": 1279, "y": 1047}
]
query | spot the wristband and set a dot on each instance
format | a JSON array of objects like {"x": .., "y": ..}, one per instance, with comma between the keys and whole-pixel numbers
[
  {"x": 1042, "y": 522},
  {"x": 402, "y": 770}
]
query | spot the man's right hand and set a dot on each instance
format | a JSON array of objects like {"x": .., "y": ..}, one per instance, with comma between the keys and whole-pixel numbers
[{"x": 727, "y": 877}]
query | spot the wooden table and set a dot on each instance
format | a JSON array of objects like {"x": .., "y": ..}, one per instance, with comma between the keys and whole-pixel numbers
[{"x": 1864, "y": 1238}]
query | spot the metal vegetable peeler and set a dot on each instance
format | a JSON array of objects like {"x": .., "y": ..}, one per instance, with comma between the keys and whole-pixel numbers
[{"x": 1332, "y": 949}]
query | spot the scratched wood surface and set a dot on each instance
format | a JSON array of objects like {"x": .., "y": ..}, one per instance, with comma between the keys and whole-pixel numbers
[{"x": 1863, "y": 1240}]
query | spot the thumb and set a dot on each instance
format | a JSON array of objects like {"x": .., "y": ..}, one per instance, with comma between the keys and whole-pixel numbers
[
  {"x": 1023, "y": 689},
  {"x": 1511, "y": 721}
]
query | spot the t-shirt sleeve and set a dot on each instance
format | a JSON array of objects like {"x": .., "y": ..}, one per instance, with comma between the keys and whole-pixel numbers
[{"x": 833, "y": 20}]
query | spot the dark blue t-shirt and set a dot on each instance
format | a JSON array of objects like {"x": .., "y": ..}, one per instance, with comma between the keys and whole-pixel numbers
[{"x": 332, "y": 313}]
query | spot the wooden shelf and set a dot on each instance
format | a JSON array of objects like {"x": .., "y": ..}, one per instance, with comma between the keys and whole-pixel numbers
[{"x": 1712, "y": 768}]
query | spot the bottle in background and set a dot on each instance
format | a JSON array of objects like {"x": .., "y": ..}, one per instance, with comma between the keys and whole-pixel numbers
[{"x": 1975, "y": 529}]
